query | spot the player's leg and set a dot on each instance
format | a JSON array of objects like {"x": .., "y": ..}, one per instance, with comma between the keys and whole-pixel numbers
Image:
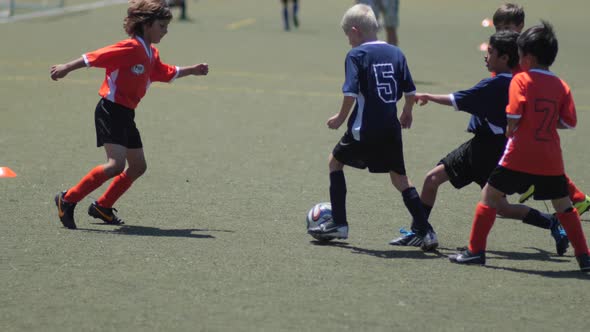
[
  {"x": 345, "y": 152},
  {"x": 433, "y": 180},
  {"x": 116, "y": 156},
  {"x": 535, "y": 218},
  {"x": 338, "y": 226},
  {"x": 483, "y": 221},
  {"x": 579, "y": 199},
  {"x": 570, "y": 219},
  {"x": 420, "y": 226},
  {"x": 285, "y": 14},
  {"x": 295, "y": 13}
]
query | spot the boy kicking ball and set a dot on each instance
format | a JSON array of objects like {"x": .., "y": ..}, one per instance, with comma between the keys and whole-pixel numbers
[{"x": 377, "y": 76}]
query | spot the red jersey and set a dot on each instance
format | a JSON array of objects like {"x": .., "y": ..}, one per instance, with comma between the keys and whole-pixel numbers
[
  {"x": 539, "y": 99},
  {"x": 130, "y": 68}
]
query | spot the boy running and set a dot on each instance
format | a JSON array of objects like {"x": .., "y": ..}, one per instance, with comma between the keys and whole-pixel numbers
[{"x": 130, "y": 65}]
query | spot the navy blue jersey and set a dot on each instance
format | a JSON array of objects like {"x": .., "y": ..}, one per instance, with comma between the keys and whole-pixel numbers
[
  {"x": 486, "y": 102},
  {"x": 376, "y": 75}
]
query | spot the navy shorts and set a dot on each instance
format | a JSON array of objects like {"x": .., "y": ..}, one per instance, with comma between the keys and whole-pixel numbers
[
  {"x": 474, "y": 160},
  {"x": 379, "y": 156},
  {"x": 546, "y": 187},
  {"x": 115, "y": 124}
]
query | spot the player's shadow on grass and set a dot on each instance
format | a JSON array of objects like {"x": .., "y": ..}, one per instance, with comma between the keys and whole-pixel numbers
[
  {"x": 154, "y": 231},
  {"x": 388, "y": 254}
]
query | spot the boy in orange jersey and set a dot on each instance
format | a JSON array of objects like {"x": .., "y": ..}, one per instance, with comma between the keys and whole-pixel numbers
[
  {"x": 131, "y": 65},
  {"x": 539, "y": 104},
  {"x": 510, "y": 16}
]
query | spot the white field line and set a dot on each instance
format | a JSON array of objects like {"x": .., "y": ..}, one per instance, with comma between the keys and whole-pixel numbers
[{"x": 61, "y": 11}]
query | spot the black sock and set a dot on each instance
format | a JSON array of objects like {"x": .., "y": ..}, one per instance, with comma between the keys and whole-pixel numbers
[
  {"x": 419, "y": 221},
  {"x": 538, "y": 219},
  {"x": 338, "y": 197}
]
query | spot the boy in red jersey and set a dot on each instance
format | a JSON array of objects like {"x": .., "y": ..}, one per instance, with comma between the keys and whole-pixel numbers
[
  {"x": 539, "y": 104},
  {"x": 131, "y": 65},
  {"x": 510, "y": 16}
]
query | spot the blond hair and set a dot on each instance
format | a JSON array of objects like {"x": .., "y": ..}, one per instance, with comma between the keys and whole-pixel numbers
[{"x": 361, "y": 17}]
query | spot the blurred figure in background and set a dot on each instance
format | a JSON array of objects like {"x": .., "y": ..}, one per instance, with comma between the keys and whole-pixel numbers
[
  {"x": 295, "y": 9},
  {"x": 390, "y": 10},
  {"x": 181, "y": 4}
]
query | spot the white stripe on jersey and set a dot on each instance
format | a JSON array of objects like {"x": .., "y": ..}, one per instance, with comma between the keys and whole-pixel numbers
[
  {"x": 358, "y": 121},
  {"x": 112, "y": 81}
]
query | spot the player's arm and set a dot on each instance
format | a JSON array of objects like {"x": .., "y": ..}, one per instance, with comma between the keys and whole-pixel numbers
[
  {"x": 511, "y": 127},
  {"x": 405, "y": 118},
  {"x": 424, "y": 98},
  {"x": 61, "y": 70},
  {"x": 338, "y": 119},
  {"x": 197, "y": 70}
]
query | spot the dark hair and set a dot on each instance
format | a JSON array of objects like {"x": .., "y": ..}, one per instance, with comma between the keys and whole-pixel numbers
[
  {"x": 145, "y": 12},
  {"x": 540, "y": 42},
  {"x": 505, "y": 43},
  {"x": 509, "y": 13}
]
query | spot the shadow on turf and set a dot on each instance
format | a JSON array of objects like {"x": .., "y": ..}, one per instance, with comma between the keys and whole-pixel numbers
[
  {"x": 154, "y": 231},
  {"x": 412, "y": 254}
]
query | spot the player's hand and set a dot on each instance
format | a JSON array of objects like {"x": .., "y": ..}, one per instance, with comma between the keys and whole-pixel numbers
[
  {"x": 405, "y": 119},
  {"x": 335, "y": 122},
  {"x": 58, "y": 71},
  {"x": 201, "y": 69},
  {"x": 421, "y": 99}
]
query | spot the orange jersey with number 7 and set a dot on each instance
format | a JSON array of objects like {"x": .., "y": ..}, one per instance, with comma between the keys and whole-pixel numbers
[{"x": 540, "y": 100}]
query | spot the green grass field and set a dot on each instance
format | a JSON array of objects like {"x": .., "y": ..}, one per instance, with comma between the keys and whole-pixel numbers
[{"x": 215, "y": 236}]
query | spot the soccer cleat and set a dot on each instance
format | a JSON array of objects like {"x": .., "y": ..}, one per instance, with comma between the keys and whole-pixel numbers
[
  {"x": 330, "y": 230},
  {"x": 105, "y": 214},
  {"x": 467, "y": 257},
  {"x": 558, "y": 234},
  {"x": 408, "y": 238},
  {"x": 65, "y": 211},
  {"x": 583, "y": 206},
  {"x": 430, "y": 241},
  {"x": 527, "y": 194},
  {"x": 584, "y": 262}
]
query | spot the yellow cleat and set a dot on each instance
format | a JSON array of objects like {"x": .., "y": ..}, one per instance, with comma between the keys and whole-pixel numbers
[
  {"x": 528, "y": 194},
  {"x": 583, "y": 206}
]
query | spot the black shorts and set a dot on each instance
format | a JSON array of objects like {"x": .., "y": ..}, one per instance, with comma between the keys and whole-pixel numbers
[
  {"x": 474, "y": 160},
  {"x": 380, "y": 156},
  {"x": 546, "y": 187},
  {"x": 115, "y": 125}
]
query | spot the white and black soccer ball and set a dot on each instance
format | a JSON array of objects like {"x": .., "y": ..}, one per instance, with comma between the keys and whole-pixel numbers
[{"x": 319, "y": 214}]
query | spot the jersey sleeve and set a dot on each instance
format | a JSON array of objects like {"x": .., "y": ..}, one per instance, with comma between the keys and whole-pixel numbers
[
  {"x": 517, "y": 98},
  {"x": 112, "y": 56},
  {"x": 407, "y": 83},
  {"x": 351, "y": 81},
  {"x": 162, "y": 72},
  {"x": 567, "y": 110},
  {"x": 470, "y": 100}
]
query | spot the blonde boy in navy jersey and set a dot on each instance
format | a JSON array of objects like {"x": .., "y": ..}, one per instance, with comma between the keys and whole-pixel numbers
[{"x": 377, "y": 76}]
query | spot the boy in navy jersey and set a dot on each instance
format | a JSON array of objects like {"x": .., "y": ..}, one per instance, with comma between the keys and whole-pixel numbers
[
  {"x": 376, "y": 77},
  {"x": 474, "y": 160}
]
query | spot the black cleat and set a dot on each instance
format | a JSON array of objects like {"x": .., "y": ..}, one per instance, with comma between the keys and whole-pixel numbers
[
  {"x": 584, "y": 262},
  {"x": 467, "y": 257},
  {"x": 65, "y": 211},
  {"x": 105, "y": 214}
]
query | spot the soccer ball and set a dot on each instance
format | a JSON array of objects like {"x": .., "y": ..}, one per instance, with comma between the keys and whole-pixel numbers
[{"x": 319, "y": 214}]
